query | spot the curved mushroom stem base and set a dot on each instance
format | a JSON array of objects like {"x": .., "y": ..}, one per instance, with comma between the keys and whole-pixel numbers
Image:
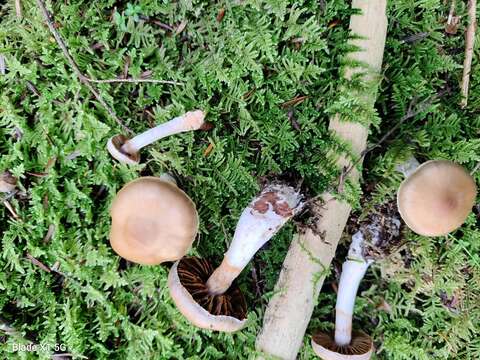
[
  {"x": 353, "y": 271},
  {"x": 222, "y": 278},
  {"x": 259, "y": 222}
]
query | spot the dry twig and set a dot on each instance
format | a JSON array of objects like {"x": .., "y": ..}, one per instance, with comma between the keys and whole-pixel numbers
[
  {"x": 83, "y": 79},
  {"x": 11, "y": 209},
  {"x": 38, "y": 263},
  {"x": 469, "y": 44},
  {"x": 133, "y": 81},
  {"x": 87, "y": 80},
  {"x": 18, "y": 9}
]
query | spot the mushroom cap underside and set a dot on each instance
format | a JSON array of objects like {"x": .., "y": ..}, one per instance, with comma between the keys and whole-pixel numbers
[
  {"x": 360, "y": 347},
  {"x": 437, "y": 198},
  {"x": 152, "y": 221},
  {"x": 114, "y": 147},
  {"x": 187, "y": 282}
]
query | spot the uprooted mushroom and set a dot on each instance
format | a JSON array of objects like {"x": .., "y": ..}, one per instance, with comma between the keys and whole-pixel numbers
[
  {"x": 153, "y": 221},
  {"x": 206, "y": 297},
  {"x": 128, "y": 150},
  {"x": 347, "y": 344},
  {"x": 436, "y": 196}
]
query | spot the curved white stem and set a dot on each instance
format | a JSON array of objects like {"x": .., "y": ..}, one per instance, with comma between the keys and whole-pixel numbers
[
  {"x": 408, "y": 166},
  {"x": 259, "y": 222},
  {"x": 192, "y": 120},
  {"x": 353, "y": 271}
]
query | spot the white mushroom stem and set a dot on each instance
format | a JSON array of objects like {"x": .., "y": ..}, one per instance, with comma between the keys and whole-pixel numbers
[
  {"x": 353, "y": 271},
  {"x": 408, "y": 166},
  {"x": 259, "y": 222},
  {"x": 192, "y": 120},
  {"x": 168, "y": 178}
]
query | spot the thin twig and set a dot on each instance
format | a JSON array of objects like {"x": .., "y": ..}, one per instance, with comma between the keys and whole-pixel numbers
[
  {"x": 38, "y": 263},
  {"x": 11, "y": 209},
  {"x": 410, "y": 114},
  {"x": 469, "y": 44},
  {"x": 83, "y": 79},
  {"x": 18, "y": 9},
  {"x": 133, "y": 81}
]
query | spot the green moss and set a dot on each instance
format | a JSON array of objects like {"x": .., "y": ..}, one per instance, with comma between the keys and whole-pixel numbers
[{"x": 242, "y": 71}]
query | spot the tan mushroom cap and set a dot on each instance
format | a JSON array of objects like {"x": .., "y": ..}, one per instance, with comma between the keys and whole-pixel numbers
[
  {"x": 360, "y": 347},
  {"x": 152, "y": 221},
  {"x": 197, "y": 314},
  {"x": 114, "y": 147},
  {"x": 437, "y": 198}
]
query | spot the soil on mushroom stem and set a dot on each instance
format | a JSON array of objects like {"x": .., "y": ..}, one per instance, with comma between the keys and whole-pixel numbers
[{"x": 381, "y": 226}]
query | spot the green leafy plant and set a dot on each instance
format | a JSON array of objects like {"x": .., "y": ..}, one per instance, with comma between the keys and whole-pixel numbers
[{"x": 267, "y": 76}]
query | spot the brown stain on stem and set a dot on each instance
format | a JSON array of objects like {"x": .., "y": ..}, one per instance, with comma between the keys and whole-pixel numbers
[{"x": 271, "y": 198}]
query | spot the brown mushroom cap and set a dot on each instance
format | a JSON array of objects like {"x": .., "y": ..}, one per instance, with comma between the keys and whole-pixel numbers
[
  {"x": 152, "y": 221},
  {"x": 437, "y": 198},
  {"x": 114, "y": 147},
  {"x": 187, "y": 282},
  {"x": 360, "y": 347}
]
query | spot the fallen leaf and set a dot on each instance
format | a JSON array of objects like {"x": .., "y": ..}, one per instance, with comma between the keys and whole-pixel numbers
[
  {"x": 208, "y": 150},
  {"x": 221, "y": 14},
  {"x": 334, "y": 23},
  {"x": 385, "y": 306},
  {"x": 452, "y": 25},
  {"x": 146, "y": 74},
  {"x": 51, "y": 163},
  {"x": 295, "y": 101},
  {"x": 49, "y": 234},
  {"x": 181, "y": 27}
]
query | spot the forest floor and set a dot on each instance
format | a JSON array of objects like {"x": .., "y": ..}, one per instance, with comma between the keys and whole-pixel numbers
[{"x": 266, "y": 72}]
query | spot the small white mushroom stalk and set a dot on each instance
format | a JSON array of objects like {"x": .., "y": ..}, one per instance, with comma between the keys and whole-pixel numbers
[
  {"x": 258, "y": 223},
  {"x": 126, "y": 150},
  {"x": 353, "y": 271},
  {"x": 408, "y": 167}
]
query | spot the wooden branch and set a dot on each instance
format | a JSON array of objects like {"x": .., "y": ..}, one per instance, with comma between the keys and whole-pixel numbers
[
  {"x": 18, "y": 9},
  {"x": 310, "y": 254},
  {"x": 469, "y": 45}
]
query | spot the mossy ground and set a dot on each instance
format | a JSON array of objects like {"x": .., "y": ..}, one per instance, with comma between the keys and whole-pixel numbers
[{"x": 267, "y": 74}]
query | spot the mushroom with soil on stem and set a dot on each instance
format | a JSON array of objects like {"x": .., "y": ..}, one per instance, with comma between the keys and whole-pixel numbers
[
  {"x": 127, "y": 150},
  {"x": 153, "y": 221},
  {"x": 347, "y": 344},
  {"x": 206, "y": 297},
  {"x": 436, "y": 196}
]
